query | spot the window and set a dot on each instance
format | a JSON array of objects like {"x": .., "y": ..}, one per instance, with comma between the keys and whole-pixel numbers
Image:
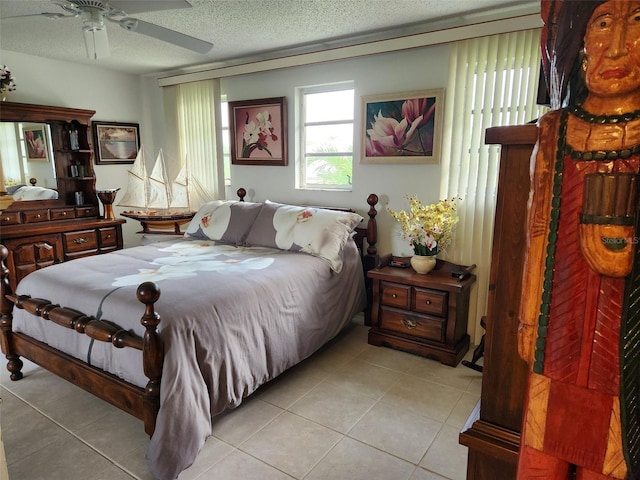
[{"x": 325, "y": 142}]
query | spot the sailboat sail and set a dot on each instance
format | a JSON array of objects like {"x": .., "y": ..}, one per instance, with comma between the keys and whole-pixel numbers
[
  {"x": 157, "y": 185},
  {"x": 180, "y": 189},
  {"x": 136, "y": 193},
  {"x": 153, "y": 195}
]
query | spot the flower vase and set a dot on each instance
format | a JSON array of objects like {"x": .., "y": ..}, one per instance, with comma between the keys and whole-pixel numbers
[{"x": 423, "y": 263}]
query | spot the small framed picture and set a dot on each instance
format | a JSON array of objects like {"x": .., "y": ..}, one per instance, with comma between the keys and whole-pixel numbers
[
  {"x": 402, "y": 127},
  {"x": 115, "y": 142},
  {"x": 36, "y": 143},
  {"x": 258, "y": 131}
]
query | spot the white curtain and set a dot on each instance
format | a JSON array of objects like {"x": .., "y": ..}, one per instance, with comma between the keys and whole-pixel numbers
[
  {"x": 193, "y": 112},
  {"x": 493, "y": 82}
]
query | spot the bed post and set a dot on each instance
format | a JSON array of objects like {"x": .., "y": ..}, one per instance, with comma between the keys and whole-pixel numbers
[
  {"x": 371, "y": 259},
  {"x": 152, "y": 354},
  {"x": 14, "y": 364}
]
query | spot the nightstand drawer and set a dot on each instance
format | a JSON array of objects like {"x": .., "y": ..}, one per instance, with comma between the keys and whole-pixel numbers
[
  {"x": 395, "y": 295},
  {"x": 79, "y": 241},
  {"x": 411, "y": 324},
  {"x": 433, "y": 302}
]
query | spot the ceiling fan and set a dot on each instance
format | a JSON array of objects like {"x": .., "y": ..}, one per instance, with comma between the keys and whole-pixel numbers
[{"x": 94, "y": 13}]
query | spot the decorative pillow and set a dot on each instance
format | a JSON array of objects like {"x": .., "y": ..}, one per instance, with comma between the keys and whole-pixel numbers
[
  {"x": 225, "y": 221},
  {"x": 316, "y": 231}
]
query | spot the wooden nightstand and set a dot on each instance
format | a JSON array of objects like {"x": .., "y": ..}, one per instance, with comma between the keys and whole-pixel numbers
[{"x": 422, "y": 314}]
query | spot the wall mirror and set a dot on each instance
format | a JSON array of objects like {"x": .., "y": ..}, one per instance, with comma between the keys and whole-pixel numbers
[
  {"x": 26, "y": 153},
  {"x": 27, "y": 147}
]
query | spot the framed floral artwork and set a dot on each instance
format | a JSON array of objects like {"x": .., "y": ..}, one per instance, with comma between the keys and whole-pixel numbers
[
  {"x": 36, "y": 143},
  {"x": 258, "y": 130},
  {"x": 115, "y": 142},
  {"x": 402, "y": 127}
]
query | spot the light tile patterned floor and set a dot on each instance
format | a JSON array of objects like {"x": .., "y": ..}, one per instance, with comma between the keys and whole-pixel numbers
[{"x": 352, "y": 411}]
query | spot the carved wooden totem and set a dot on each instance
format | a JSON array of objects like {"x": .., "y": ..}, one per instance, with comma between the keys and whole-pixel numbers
[{"x": 580, "y": 325}]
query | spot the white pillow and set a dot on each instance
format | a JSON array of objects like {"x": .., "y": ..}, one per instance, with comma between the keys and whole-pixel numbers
[{"x": 317, "y": 231}]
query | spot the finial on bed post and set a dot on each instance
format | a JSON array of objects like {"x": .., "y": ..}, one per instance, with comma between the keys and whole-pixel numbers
[
  {"x": 241, "y": 192},
  {"x": 14, "y": 364},
  {"x": 152, "y": 353},
  {"x": 372, "y": 226}
]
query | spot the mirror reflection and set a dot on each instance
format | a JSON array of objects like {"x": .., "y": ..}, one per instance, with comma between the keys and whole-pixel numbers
[{"x": 26, "y": 154}]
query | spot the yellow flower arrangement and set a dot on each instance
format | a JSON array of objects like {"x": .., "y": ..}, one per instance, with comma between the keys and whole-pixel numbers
[{"x": 427, "y": 227}]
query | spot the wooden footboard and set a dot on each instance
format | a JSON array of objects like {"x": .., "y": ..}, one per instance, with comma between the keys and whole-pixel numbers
[{"x": 142, "y": 403}]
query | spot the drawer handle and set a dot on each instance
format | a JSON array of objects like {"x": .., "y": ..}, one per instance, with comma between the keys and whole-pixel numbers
[
  {"x": 80, "y": 241},
  {"x": 410, "y": 324},
  {"x": 7, "y": 219},
  {"x": 393, "y": 295},
  {"x": 428, "y": 302},
  {"x": 107, "y": 236},
  {"x": 38, "y": 216},
  {"x": 64, "y": 214}
]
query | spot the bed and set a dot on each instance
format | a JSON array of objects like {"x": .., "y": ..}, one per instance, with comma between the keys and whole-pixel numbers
[{"x": 210, "y": 350}]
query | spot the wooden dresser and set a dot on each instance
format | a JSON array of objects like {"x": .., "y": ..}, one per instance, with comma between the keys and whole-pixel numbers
[
  {"x": 492, "y": 432},
  {"x": 426, "y": 314},
  {"x": 40, "y": 233},
  {"x": 39, "y": 236}
]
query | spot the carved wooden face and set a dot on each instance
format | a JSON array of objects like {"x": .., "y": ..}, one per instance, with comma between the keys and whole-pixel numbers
[{"x": 612, "y": 46}]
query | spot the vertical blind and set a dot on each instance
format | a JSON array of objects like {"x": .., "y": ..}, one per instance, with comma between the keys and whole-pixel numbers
[
  {"x": 493, "y": 81},
  {"x": 197, "y": 116}
]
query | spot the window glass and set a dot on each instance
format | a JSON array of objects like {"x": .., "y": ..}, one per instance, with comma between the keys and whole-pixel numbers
[{"x": 325, "y": 142}]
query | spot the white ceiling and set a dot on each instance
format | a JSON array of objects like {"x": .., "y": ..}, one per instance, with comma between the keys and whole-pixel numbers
[{"x": 242, "y": 29}]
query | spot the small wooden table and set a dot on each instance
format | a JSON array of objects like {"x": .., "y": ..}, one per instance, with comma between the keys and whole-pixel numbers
[
  {"x": 161, "y": 224},
  {"x": 425, "y": 314}
]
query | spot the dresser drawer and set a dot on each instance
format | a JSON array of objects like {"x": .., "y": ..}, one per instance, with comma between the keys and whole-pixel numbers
[
  {"x": 79, "y": 241},
  {"x": 433, "y": 302},
  {"x": 395, "y": 295},
  {"x": 12, "y": 218},
  {"x": 32, "y": 216},
  {"x": 412, "y": 324},
  {"x": 86, "y": 212},
  {"x": 108, "y": 237},
  {"x": 63, "y": 213}
]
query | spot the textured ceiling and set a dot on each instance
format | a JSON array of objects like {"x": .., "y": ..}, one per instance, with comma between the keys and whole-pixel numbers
[{"x": 241, "y": 29}]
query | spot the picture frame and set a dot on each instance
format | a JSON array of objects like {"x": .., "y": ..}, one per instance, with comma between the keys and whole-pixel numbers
[
  {"x": 418, "y": 141},
  {"x": 258, "y": 131},
  {"x": 36, "y": 143},
  {"x": 115, "y": 142}
]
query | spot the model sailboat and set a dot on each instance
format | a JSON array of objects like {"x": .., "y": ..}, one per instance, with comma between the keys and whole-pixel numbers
[{"x": 155, "y": 200}]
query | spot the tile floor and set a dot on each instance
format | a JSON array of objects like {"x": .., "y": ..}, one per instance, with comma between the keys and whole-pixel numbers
[{"x": 352, "y": 411}]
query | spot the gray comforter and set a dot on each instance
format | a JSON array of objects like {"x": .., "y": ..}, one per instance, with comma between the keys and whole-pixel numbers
[{"x": 232, "y": 319}]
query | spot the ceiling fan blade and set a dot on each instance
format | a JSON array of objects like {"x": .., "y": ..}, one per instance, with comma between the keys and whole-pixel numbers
[
  {"x": 166, "y": 35},
  {"x": 96, "y": 42},
  {"x": 50, "y": 15},
  {"x": 140, "y": 6}
]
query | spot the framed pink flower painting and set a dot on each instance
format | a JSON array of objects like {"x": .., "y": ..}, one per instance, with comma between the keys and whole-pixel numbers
[
  {"x": 36, "y": 143},
  {"x": 402, "y": 127},
  {"x": 258, "y": 130}
]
